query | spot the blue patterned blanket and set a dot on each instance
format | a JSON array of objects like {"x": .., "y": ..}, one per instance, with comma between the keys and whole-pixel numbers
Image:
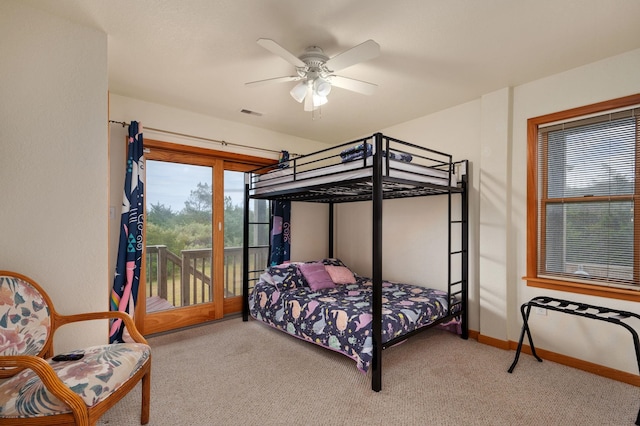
[{"x": 339, "y": 318}]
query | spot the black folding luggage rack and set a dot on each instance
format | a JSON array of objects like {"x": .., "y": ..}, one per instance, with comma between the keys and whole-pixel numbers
[{"x": 613, "y": 316}]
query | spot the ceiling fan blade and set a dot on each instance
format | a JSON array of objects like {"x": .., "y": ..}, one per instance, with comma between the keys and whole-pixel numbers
[
  {"x": 354, "y": 85},
  {"x": 273, "y": 80},
  {"x": 360, "y": 53},
  {"x": 275, "y": 48}
]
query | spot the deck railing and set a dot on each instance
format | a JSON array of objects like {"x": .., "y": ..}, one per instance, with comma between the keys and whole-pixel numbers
[{"x": 185, "y": 280}]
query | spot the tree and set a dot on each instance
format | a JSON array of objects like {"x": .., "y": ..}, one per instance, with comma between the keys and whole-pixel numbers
[
  {"x": 160, "y": 214},
  {"x": 159, "y": 235},
  {"x": 233, "y": 224},
  {"x": 191, "y": 227},
  {"x": 198, "y": 207}
]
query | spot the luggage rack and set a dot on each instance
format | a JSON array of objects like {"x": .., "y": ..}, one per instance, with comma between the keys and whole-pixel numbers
[{"x": 613, "y": 316}]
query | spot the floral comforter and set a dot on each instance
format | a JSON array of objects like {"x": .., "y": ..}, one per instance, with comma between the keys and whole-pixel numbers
[{"x": 340, "y": 318}]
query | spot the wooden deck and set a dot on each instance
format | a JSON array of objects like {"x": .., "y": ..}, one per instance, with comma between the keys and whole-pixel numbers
[{"x": 156, "y": 303}]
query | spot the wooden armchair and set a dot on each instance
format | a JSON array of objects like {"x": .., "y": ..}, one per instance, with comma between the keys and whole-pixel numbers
[{"x": 37, "y": 390}]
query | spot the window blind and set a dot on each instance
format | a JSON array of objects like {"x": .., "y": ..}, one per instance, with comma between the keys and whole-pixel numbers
[{"x": 587, "y": 195}]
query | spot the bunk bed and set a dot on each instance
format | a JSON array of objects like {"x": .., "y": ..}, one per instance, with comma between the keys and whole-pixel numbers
[{"x": 373, "y": 168}]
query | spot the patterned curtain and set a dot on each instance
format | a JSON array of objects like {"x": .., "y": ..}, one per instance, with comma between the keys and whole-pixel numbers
[
  {"x": 280, "y": 232},
  {"x": 130, "y": 250},
  {"x": 281, "y": 228}
]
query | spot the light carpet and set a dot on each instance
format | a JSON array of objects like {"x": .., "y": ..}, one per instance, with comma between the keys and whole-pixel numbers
[{"x": 236, "y": 373}]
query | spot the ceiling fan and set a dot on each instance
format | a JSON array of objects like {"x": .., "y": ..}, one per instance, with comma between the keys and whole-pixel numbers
[{"x": 315, "y": 71}]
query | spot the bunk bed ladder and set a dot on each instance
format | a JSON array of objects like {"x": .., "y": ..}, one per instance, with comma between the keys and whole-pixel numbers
[
  {"x": 458, "y": 285},
  {"x": 248, "y": 274}
]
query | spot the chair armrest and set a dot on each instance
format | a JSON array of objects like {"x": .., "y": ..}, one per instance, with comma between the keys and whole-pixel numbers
[
  {"x": 90, "y": 316},
  {"x": 51, "y": 381}
]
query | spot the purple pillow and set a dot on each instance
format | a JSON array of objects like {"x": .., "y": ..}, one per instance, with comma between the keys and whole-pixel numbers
[{"x": 316, "y": 275}]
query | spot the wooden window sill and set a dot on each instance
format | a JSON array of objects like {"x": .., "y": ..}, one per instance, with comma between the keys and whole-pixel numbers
[{"x": 589, "y": 289}]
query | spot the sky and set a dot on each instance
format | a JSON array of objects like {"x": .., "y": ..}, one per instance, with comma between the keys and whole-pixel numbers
[{"x": 171, "y": 183}]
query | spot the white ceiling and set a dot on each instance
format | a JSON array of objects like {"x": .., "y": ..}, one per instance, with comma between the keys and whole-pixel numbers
[{"x": 197, "y": 54}]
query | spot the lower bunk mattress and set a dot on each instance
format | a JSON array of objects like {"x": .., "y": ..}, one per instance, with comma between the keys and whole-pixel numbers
[{"x": 339, "y": 318}]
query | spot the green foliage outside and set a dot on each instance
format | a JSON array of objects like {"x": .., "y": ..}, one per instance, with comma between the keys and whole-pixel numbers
[
  {"x": 596, "y": 231},
  {"x": 190, "y": 228},
  {"x": 591, "y": 232}
]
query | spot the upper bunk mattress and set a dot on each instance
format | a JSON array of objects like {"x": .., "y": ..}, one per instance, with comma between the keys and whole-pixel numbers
[{"x": 286, "y": 179}]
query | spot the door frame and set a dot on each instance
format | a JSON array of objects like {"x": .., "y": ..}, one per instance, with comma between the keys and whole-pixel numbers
[{"x": 220, "y": 161}]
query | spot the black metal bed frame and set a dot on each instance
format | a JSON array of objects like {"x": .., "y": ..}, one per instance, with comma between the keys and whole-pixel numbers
[{"x": 376, "y": 188}]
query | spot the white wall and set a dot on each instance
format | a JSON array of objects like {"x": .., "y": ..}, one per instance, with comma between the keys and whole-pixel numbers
[
  {"x": 493, "y": 254},
  {"x": 53, "y": 161},
  {"x": 585, "y": 339}
]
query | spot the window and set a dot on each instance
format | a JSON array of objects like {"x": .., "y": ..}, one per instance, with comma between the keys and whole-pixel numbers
[{"x": 583, "y": 221}]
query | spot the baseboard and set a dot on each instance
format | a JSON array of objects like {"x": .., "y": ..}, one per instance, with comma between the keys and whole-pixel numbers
[
  {"x": 491, "y": 341},
  {"x": 600, "y": 370}
]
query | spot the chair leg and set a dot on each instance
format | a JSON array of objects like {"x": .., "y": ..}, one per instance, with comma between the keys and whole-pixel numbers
[{"x": 146, "y": 400}]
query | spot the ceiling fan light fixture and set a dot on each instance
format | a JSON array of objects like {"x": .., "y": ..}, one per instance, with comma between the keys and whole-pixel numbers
[
  {"x": 315, "y": 71},
  {"x": 321, "y": 87},
  {"x": 319, "y": 100},
  {"x": 299, "y": 91}
]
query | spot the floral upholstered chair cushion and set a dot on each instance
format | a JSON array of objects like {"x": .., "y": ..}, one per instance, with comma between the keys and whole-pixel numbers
[
  {"x": 101, "y": 371},
  {"x": 25, "y": 320}
]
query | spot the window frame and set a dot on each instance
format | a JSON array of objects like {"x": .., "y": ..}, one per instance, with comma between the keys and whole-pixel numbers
[{"x": 532, "y": 278}]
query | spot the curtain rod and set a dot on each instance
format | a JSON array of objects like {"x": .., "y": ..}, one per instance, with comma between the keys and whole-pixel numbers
[{"x": 221, "y": 142}]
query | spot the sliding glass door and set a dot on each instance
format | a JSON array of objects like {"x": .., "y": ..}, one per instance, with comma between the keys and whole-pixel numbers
[
  {"x": 179, "y": 237},
  {"x": 193, "y": 237}
]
